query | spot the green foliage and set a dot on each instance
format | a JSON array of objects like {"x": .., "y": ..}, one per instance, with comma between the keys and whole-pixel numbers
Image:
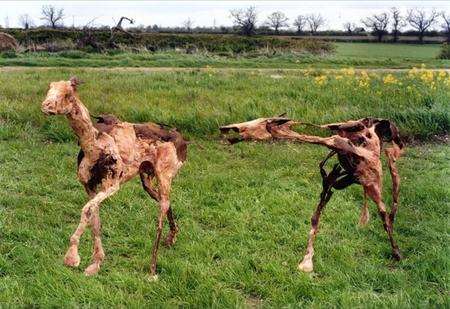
[
  {"x": 161, "y": 41},
  {"x": 73, "y": 54},
  {"x": 445, "y": 51},
  {"x": 8, "y": 54}
]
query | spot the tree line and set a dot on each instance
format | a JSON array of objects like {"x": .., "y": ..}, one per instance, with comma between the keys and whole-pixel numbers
[{"x": 247, "y": 22}]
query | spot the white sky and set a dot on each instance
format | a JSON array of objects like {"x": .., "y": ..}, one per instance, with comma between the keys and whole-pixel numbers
[{"x": 204, "y": 13}]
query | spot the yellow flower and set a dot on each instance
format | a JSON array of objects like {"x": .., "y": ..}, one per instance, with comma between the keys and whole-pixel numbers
[
  {"x": 413, "y": 72},
  {"x": 442, "y": 74},
  {"x": 363, "y": 83},
  {"x": 389, "y": 79},
  {"x": 348, "y": 71},
  {"x": 338, "y": 77},
  {"x": 364, "y": 79},
  {"x": 447, "y": 81},
  {"x": 320, "y": 80},
  {"x": 427, "y": 76}
]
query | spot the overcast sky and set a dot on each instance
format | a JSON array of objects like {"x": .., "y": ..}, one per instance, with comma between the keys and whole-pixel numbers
[{"x": 204, "y": 13}]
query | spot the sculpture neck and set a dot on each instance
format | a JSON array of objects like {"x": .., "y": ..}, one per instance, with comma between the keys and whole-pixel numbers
[{"x": 81, "y": 123}]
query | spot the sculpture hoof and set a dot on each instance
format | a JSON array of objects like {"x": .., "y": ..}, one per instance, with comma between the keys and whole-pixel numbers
[
  {"x": 363, "y": 221},
  {"x": 396, "y": 255},
  {"x": 170, "y": 240},
  {"x": 153, "y": 278},
  {"x": 364, "y": 218},
  {"x": 92, "y": 269},
  {"x": 72, "y": 259},
  {"x": 306, "y": 266}
]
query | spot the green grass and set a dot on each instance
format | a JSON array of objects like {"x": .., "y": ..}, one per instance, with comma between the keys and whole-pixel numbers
[
  {"x": 348, "y": 54},
  {"x": 199, "y": 102},
  {"x": 388, "y": 50},
  {"x": 243, "y": 210},
  {"x": 244, "y": 216}
]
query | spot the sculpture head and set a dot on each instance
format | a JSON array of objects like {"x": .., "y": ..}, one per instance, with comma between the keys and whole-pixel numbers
[
  {"x": 358, "y": 129},
  {"x": 256, "y": 130},
  {"x": 60, "y": 97}
]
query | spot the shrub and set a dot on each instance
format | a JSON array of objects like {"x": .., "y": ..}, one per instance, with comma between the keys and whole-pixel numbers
[
  {"x": 8, "y": 54},
  {"x": 7, "y": 42},
  {"x": 445, "y": 51},
  {"x": 73, "y": 54},
  {"x": 53, "y": 39}
]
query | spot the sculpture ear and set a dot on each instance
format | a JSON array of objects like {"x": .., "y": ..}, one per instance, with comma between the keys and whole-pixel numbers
[
  {"x": 352, "y": 126},
  {"x": 388, "y": 132},
  {"x": 74, "y": 82}
]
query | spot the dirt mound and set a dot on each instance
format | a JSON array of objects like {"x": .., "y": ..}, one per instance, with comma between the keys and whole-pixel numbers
[{"x": 7, "y": 42}]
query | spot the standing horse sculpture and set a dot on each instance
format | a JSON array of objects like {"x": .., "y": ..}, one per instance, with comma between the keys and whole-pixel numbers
[
  {"x": 113, "y": 152},
  {"x": 358, "y": 146}
]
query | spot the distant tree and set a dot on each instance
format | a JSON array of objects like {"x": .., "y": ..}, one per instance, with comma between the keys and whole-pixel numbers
[
  {"x": 277, "y": 20},
  {"x": 245, "y": 19},
  {"x": 446, "y": 25},
  {"x": 349, "y": 27},
  {"x": 52, "y": 16},
  {"x": 397, "y": 23},
  {"x": 224, "y": 29},
  {"x": 87, "y": 38},
  {"x": 378, "y": 23},
  {"x": 187, "y": 24},
  {"x": 6, "y": 19},
  {"x": 25, "y": 21},
  {"x": 300, "y": 23},
  {"x": 152, "y": 28},
  {"x": 315, "y": 21},
  {"x": 418, "y": 19}
]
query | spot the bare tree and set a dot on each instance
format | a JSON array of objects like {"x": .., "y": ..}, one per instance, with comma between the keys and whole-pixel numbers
[
  {"x": 378, "y": 24},
  {"x": 187, "y": 24},
  {"x": 446, "y": 25},
  {"x": 26, "y": 21},
  {"x": 52, "y": 16},
  {"x": 397, "y": 23},
  {"x": 419, "y": 20},
  {"x": 315, "y": 21},
  {"x": 88, "y": 39},
  {"x": 300, "y": 23},
  {"x": 119, "y": 28},
  {"x": 349, "y": 27},
  {"x": 245, "y": 20},
  {"x": 277, "y": 20}
]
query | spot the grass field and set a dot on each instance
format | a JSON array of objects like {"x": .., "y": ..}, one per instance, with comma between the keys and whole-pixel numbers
[
  {"x": 388, "y": 50},
  {"x": 243, "y": 210},
  {"x": 198, "y": 102},
  {"x": 369, "y": 55}
]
